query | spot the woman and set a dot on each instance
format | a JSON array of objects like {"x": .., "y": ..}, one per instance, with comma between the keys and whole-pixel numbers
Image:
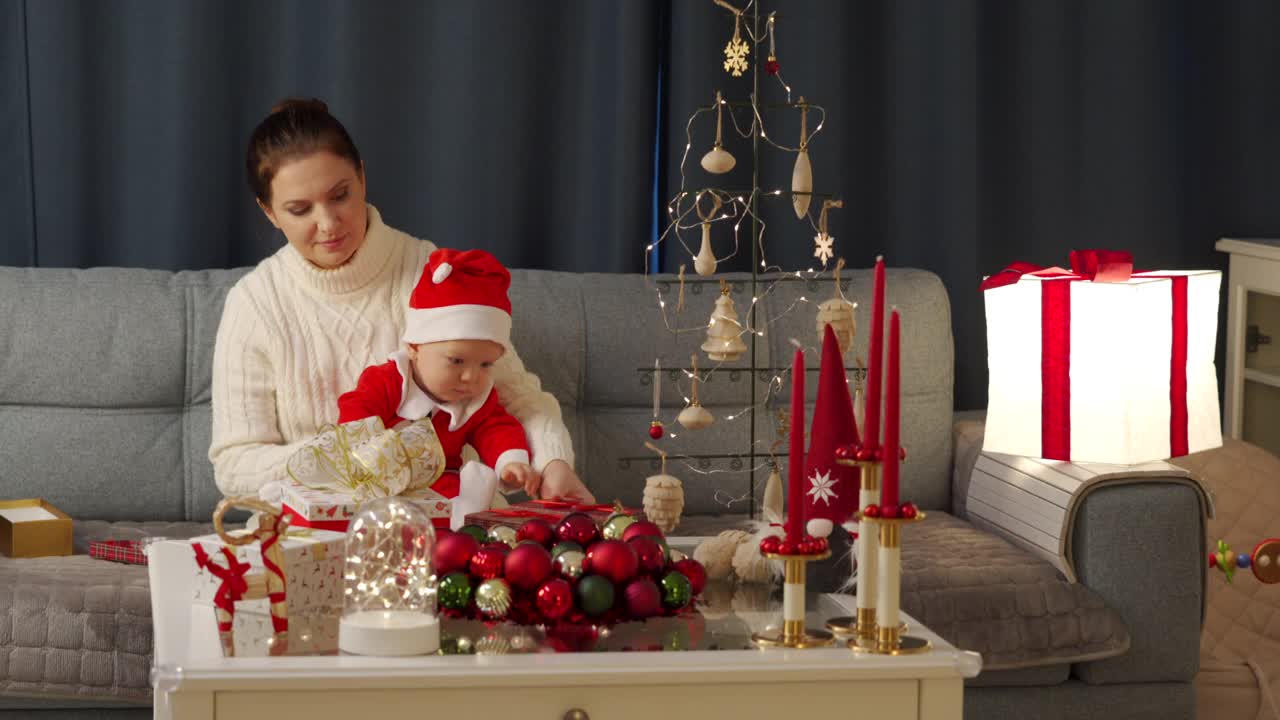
[{"x": 297, "y": 330}]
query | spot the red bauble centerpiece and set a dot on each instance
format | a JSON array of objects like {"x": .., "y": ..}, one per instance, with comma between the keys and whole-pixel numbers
[
  {"x": 579, "y": 528},
  {"x": 612, "y": 559},
  {"x": 643, "y": 598},
  {"x": 487, "y": 563},
  {"x": 693, "y": 570},
  {"x": 537, "y": 530},
  {"x": 649, "y": 552},
  {"x": 641, "y": 528},
  {"x": 554, "y": 599},
  {"x": 526, "y": 566},
  {"x": 453, "y": 553}
]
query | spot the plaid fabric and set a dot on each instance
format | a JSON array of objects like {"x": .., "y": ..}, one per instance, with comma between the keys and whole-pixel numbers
[{"x": 125, "y": 551}]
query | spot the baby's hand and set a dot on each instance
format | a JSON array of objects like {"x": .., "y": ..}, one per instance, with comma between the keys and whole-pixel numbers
[{"x": 522, "y": 475}]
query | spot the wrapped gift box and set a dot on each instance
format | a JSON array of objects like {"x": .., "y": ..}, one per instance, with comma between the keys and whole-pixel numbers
[
  {"x": 553, "y": 511},
  {"x": 313, "y": 566},
  {"x": 33, "y": 528},
  {"x": 331, "y": 510},
  {"x": 310, "y": 633},
  {"x": 132, "y": 552},
  {"x": 1109, "y": 372}
]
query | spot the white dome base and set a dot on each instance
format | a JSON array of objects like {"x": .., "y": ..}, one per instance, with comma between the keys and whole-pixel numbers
[{"x": 388, "y": 633}]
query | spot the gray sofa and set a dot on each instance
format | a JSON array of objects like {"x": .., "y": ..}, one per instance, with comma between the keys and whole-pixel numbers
[{"x": 104, "y": 411}]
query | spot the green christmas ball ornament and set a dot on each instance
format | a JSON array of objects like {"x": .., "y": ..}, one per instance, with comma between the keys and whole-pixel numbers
[
  {"x": 504, "y": 534},
  {"x": 563, "y": 547},
  {"x": 455, "y": 591},
  {"x": 616, "y": 525},
  {"x": 475, "y": 531},
  {"x": 677, "y": 591},
  {"x": 595, "y": 595}
]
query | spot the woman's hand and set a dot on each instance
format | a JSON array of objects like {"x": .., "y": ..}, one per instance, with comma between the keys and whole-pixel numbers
[
  {"x": 560, "y": 481},
  {"x": 521, "y": 476}
]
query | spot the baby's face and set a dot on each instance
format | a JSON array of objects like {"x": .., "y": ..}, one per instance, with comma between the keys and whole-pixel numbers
[{"x": 454, "y": 370}]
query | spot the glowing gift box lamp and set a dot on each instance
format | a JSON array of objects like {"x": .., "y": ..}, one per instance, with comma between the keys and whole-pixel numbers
[{"x": 1102, "y": 364}]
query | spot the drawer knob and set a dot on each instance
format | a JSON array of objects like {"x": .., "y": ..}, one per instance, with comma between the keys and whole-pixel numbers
[{"x": 577, "y": 714}]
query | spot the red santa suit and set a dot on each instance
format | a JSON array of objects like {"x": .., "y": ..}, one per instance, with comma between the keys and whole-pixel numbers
[{"x": 389, "y": 392}]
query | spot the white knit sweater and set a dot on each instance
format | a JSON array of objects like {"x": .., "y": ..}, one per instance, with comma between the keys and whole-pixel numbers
[{"x": 294, "y": 337}]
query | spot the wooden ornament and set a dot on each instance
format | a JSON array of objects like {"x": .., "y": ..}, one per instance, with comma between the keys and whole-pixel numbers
[
  {"x": 695, "y": 417},
  {"x": 771, "y": 506},
  {"x": 802, "y": 173},
  {"x": 838, "y": 313},
  {"x": 724, "y": 332},
  {"x": 705, "y": 262},
  {"x": 718, "y": 160},
  {"x": 663, "y": 496}
]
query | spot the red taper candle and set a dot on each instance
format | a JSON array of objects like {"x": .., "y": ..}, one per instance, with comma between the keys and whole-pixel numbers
[
  {"x": 892, "y": 413},
  {"x": 875, "y": 362},
  {"x": 795, "y": 461}
]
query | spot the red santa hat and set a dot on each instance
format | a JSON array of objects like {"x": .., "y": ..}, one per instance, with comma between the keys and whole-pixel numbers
[
  {"x": 460, "y": 296},
  {"x": 831, "y": 490}
]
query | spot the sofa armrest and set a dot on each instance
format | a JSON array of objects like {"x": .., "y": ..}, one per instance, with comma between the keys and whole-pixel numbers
[
  {"x": 1141, "y": 547},
  {"x": 1138, "y": 546}
]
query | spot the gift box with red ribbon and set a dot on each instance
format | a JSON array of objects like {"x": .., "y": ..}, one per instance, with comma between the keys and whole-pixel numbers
[
  {"x": 551, "y": 510},
  {"x": 312, "y": 569},
  {"x": 1100, "y": 363},
  {"x": 332, "y": 510}
]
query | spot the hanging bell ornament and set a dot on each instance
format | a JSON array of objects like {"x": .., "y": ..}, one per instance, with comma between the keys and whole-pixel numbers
[
  {"x": 695, "y": 417},
  {"x": 724, "y": 332},
  {"x": 771, "y": 507},
  {"x": 838, "y": 313},
  {"x": 802, "y": 173},
  {"x": 718, "y": 160}
]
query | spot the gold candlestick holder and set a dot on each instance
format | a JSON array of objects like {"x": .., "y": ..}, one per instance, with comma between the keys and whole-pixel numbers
[
  {"x": 890, "y": 637},
  {"x": 794, "y": 634},
  {"x": 863, "y": 625}
]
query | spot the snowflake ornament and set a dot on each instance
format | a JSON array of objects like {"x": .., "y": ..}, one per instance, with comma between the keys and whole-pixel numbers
[
  {"x": 822, "y": 247},
  {"x": 823, "y": 487},
  {"x": 735, "y": 56}
]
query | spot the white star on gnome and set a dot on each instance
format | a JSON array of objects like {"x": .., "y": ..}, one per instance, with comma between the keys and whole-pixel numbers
[
  {"x": 823, "y": 487},
  {"x": 822, "y": 249}
]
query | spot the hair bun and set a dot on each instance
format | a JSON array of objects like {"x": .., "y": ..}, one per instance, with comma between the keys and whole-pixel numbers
[{"x": 300, "y": 104}]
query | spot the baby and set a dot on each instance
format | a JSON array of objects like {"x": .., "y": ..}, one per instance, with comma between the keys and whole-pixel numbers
[{"x": 457, "y": 326}]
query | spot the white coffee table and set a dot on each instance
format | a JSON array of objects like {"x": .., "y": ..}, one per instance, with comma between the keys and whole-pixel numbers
[{"x": 193, "y": 681}]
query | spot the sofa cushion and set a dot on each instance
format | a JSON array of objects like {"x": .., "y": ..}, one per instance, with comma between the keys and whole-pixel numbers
[
  {"x": 983, "y": 594},
  {"x": 77, "y": 628}
]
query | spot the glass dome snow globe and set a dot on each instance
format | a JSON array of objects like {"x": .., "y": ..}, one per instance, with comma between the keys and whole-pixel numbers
[{"x": 389, "y": 601}]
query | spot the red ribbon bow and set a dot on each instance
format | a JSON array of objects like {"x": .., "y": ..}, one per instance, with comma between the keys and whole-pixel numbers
[
  {"x": 1091, "y": 265},
  {"x": 233, "y": 586}
]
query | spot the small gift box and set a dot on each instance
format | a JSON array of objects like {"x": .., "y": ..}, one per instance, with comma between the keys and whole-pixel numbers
[
  {"x": 132, "y": 552},
  {"x": 312, "y": 567},
  {"x": 553, "y": 511},
  {"x": 33, "y": 528},
  {"x": 1102, "y": 364},
  {"x": 332, "y": 510}
]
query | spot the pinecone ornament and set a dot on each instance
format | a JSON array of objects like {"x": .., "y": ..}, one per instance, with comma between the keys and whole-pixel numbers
[{"x": 663, "y": 501}]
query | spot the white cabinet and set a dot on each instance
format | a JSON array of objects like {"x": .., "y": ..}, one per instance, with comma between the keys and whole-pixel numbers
[{"x": 1251, "y": 398}]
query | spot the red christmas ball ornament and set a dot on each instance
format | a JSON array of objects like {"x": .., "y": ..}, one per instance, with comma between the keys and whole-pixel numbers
[
  {"x": 864, "y": 455},
  {"x": 537, "y": 530},
  {"x": 847, "y": 452},
  {"x": 902, "y": 453},
  {"x": 641, "y": 528},
  {"x": 771, "y": 66},
  {"x": 696, "y": 573},
  {"x": 649, "y": 553},
  {"x": 655, "y": 430},
  {"x": 643, "y": 598},
  {"x": 806, "y": 547},
  {"x": 909, "y": 511},
  {"x": 453, "y": 553},
  {"x": 1213, "y": 560},
  {"x": 822, "y": 546},
  {"x": 579, "y": 528},
  {"x": 786, "y": 548},
  {"x": 527, "y": 566},
  {"x": 612, "y": 559},
  {"x": 487, "y": 563},
  {"x": 554, "y": 599},
  {"x": 769, "y": 545},
  {"x": 871, "y": 511},
  {"x": 496, "y": 547},
  {"x": 889, "y": 511}
]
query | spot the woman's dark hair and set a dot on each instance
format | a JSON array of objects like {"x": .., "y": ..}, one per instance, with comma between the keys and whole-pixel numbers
[{"x": 296, "y": 127}]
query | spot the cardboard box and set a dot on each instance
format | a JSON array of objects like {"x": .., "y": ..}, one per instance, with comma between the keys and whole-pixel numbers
[{"x": 33, "y": 528}]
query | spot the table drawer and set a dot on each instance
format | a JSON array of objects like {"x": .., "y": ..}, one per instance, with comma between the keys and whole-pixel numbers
[{"x": 884, "y": 700}]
